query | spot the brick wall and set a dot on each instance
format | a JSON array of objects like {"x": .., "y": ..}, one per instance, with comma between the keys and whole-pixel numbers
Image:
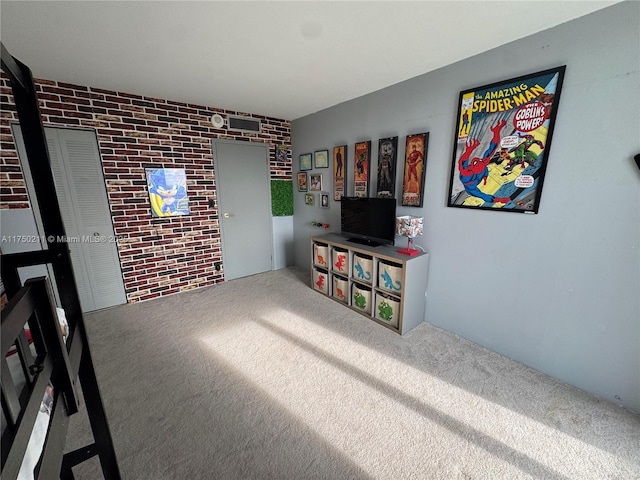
[{"x": 158, "y": 256}]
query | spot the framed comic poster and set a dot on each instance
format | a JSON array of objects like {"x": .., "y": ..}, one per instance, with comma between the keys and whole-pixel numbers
[
  {"x": 167, "y": 191},
  {"x": 302, "y": 182},
  {"x": 387, "y": 159},
  {"x": 502, "y": 140},
  {"x": 309, "y": 199},
  {"x": 324, "y": 199},
  {"x": 362, "y": 159},
  {"x": 305, "y": 161},
  {"x": 415, "y": 165},
  {"x": 282, "y": 154},
  {"x": 315, "y": 181},
  {"x": 339, "y": 172},
  {"x": 321, "y": 159}
]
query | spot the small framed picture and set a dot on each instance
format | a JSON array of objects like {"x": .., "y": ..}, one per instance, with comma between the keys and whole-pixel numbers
[
  {"x": 302, "y": 182},
  {"x": 282, "y": 153},
  {"x": 321, "y": 158},
  {"x": 316, "y": 182},
  {"x": 305, "y": 161},
  {"x": 324, "y": 199},
  {"x": 309, "y": 199}
]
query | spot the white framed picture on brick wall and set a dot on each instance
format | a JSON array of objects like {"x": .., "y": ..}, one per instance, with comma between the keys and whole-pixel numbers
[{"x": 167, "y": 191}]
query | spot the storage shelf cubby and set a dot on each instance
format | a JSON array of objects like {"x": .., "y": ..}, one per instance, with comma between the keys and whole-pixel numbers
[{"x": 377, "y": 282}]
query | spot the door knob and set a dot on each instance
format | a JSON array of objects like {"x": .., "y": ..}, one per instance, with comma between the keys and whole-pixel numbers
[{"x": 227, "y": 215}]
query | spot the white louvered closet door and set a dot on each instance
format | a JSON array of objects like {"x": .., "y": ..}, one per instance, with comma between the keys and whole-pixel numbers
[
  {"x": 80, "y": 272},
  {"x": 82, "y": 195}
]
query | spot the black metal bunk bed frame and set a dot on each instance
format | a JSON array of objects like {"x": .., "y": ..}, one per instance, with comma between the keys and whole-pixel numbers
[{"x": 57, "y": 363}]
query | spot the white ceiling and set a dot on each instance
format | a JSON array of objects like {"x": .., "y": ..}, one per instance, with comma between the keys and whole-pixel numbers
[{"x": 283, "y": 59}]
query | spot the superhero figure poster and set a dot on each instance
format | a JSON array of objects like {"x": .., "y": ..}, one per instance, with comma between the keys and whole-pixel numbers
[
  {"x": 167, "y": 191},
  {"x": 415, "y": 164},
  {"x": 502, "y": 140},
  {"x": 362, "y": 168},
  {"x": 387, "y": 156},
  {"x": 339, "y": 171}
]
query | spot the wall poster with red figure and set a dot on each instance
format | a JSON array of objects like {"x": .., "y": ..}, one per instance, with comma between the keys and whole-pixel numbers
[
  {"x": 362, "y": 159},
  {"x": 415, "y": 165},
  {"x": 502, "y": 140}
]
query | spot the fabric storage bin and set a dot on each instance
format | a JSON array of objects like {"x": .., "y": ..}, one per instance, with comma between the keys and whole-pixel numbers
[
  {"x": 389, "y": 277},
  {"x": 387, "y": 309},
  {"x": 321, "y": 281},
  {"x": 340, "y": 261},
  {"x": 361, "y": 298},
  {"x": 321, "y": 255},
  {"x": 362, "y": 268},
  {"x": 340, "y": 289}
]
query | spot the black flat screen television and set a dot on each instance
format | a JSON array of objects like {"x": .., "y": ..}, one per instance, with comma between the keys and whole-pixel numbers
[{"x": 369, "y": 221}]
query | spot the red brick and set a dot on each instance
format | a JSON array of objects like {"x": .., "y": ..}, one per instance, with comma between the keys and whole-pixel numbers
[{"x": 179, "y": 136}]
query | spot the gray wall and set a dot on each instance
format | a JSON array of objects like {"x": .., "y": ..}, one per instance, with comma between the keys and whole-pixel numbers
[{"x": 558, "y": 291}]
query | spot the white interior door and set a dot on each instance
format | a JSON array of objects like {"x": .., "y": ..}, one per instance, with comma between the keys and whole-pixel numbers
[
  {"x": 244, "y": 207},
  {"x": 82, "y": 195}
]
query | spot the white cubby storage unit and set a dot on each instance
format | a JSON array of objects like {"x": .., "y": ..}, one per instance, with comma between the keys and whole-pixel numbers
[{"x": 378, "y": 282}]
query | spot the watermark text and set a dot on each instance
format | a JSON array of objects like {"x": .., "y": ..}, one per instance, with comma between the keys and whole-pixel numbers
[{"x": 42, "y": 239}]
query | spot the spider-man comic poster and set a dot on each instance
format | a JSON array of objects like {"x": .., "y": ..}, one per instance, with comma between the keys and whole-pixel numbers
[{"x": 502, "y": 140}]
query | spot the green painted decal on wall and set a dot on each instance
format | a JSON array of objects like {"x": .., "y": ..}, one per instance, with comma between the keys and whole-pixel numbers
[{"x": 281, "y": 198}]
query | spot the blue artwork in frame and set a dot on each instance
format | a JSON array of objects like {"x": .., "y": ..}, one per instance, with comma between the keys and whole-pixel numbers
[{"x": 167, "y": 191}]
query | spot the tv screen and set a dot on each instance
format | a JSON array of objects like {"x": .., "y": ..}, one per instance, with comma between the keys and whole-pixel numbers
[{"x": 371, "y": 221}]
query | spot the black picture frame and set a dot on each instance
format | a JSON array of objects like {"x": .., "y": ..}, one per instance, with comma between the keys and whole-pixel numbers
[
  {"x": 502, "y": 141},
  {"x": 305, "y": 161},
  {"x": 339, "y": 172},
  {"x": 415, "y": 167},
  {"x": 321, "y": 159},
  {"x": 387, "y": 162},
  {"x": 361, "y": 168}
]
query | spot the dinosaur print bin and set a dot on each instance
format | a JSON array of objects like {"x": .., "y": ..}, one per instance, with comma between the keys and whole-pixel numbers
[
  {"x": 390, "y": 277},
  {"x": 340, "y": 289},
  {"x": 321, "y": 281},
  {"x": 387, "y": 309},
  {"x": 361, "y": 298},
  {"x": 340, "y": 261},
  {"x": 362, "y": 268},
  {"x": 321, "y": 255}
]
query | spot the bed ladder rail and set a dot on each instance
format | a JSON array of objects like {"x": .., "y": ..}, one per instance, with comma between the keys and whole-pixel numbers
[
  {"x": 54, "y": 363},
  {"x": 33, "y": 305}
]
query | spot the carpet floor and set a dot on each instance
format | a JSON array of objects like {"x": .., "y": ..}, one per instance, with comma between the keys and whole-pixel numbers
[{"x": 264, "y": 378}]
